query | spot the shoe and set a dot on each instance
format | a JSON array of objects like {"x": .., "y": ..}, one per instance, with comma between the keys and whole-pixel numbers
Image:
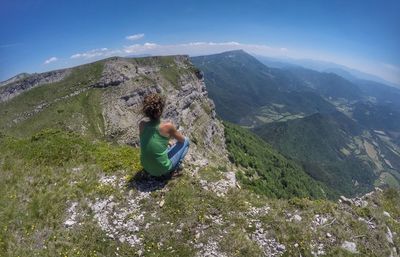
[{"x": 176, "y": 174}]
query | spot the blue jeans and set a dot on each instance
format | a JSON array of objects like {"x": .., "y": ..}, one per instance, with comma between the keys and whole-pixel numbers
[{"x": 177, "y": 152}]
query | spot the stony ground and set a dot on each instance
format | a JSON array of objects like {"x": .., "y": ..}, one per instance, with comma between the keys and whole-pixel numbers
[
  {"x": 225, "y": 224},
  {"x": 62, "y": 195}
]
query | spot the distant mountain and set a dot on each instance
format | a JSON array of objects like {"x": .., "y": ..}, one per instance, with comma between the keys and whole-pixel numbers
[
  {"x": 381, "y": 93},
  {"x": 344, "y": 133},
  {"x": 342, "y": 73},
  {"x": 323, "y": 66},
  {"x": 378, "y": 117},
  {"x": 329, "y": 85},
  {"x": 276, "y": 62},
  {"x": 247, "y": 92},
  {"x": 13, "y": 79}
]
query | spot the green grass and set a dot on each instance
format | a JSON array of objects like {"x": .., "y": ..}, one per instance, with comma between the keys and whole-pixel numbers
[
  {"x": 314, "y": 142},
  {"x": 237, "y": 243},
  {"x": 80, "y": 112},
  {"x": 173, "y": 73},
  {"x": 387, "y": 179},
  {"x": 391, "y": 202},
  {"x": 168, "y": 68},
  {"x": 266, "y": 171},
  {"x": 41, "y": 176},
  {"x": 38, "y": 181},
  {"x": 211, "y": 174}
]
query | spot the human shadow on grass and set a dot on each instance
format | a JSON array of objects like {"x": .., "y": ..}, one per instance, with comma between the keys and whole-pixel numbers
[{"x": 143, "y": 182}]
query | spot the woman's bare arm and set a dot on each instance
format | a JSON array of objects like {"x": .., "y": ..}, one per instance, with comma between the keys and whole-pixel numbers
[
  {"x": 177, "y": 135},
  {"x": 171, "y": 130}
]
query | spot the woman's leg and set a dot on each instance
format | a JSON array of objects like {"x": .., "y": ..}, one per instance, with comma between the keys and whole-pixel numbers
[{"x": 177, "y": 152}]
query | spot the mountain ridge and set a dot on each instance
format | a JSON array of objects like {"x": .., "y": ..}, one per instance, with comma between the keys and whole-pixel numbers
[
  {"x": 278, "y": 95},
  {"x": 72, "y": 183},
  {"x": 238, "y": 83},
  {"x": 324, "y": 66}
]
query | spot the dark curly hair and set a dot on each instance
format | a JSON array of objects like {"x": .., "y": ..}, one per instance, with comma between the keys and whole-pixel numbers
[{"x": 153, "y": 106}]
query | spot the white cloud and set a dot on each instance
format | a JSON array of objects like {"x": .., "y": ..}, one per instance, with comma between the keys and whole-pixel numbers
[
  {"x": 387, "y": 71},
  {"x": 135, "y": 37},
  {"x": 200, "y": 48},
  {"x": 100, "y": 52},
  {"x": 190, "y": 48},
  {"x": 150, "y": 44},
  {"x": 50, "y": 60}
]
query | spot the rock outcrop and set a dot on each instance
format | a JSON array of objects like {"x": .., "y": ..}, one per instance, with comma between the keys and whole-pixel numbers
[
  {"x": 123, "y": 83},
  {"x": 14, "y": 79},
  {"x": 13, "y": 87},
  {"x": 127, "y": 81}
]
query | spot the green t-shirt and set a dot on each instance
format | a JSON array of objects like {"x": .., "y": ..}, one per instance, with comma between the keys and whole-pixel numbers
[{"x": 153, "y": 150}]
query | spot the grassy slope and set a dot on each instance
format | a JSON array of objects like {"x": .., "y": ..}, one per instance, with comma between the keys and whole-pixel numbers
[
  {"x": 80, "y": 112},
  {"x": 169, "y": 69},
  {"x": 40, "y": 179},
  {"x": 72, "y": 104},
  {"x": 315, "y": 142},
  {"x": 266, "y": 171}
]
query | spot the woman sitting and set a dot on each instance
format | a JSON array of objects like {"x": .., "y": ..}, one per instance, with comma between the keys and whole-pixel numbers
[{"x": 157, "y": 156}]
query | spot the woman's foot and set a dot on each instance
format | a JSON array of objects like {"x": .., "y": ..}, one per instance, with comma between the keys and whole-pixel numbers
[
  {"x": 176, "y": 174},
  {"x": 178, "y": 171}
]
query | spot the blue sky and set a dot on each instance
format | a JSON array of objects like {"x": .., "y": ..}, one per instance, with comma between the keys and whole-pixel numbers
[{"x": 44, "y": 35}]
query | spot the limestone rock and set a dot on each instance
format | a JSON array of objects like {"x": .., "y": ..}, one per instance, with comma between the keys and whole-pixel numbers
[
  {"x": 72, "y": 215},
  {"x": 349, "y": 246},
  {"x": 389, "y": 235},
  {"x": 385, "y": 213},
  {"x": 296, "y": 218},
  {"x": 187, "y": 103},
  {"x": 18, "y": 86},
  {"x": 346, "y": 200}
]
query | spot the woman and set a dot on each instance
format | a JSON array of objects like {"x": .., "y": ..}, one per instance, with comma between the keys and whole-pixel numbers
[{"x": 156, "y": 156}]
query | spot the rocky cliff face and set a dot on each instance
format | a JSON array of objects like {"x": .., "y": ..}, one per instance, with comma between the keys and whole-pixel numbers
[
  {"x": 127, "y": 81},
  {"x": 19, "y": 84},
  {"x": 14, "y": 79},
  {"x": 122, "y": 83}
]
